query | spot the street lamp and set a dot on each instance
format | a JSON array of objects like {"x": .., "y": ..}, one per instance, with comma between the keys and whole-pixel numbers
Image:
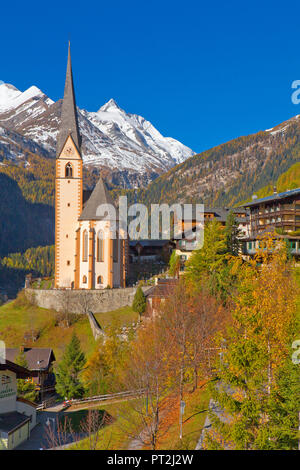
[{"x": 182, "y": 407}]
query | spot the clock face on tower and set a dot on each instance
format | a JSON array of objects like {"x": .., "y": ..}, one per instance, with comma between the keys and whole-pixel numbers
[{"x": 69, "y": 150}]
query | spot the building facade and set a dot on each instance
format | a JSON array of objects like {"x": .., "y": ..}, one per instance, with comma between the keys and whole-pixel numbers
[
  {"x": 187, "y": 243},
  {"x": 17, "y": 415},
  {"x": 278, "y": 214},
  {"x": 91, "y": 248}
]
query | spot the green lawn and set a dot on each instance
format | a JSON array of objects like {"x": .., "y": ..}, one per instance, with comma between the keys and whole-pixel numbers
[{"x": 124, "y": 316}]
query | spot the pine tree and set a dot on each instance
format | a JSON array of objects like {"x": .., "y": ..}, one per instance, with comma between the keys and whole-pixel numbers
[
  {"x": 139, "y": 301},
  {"x": 68, "y": 383},
  {"x": 212, "y": 263},
  {"x": 232, "y": 234},
  {"x": 281, "y": 429}
]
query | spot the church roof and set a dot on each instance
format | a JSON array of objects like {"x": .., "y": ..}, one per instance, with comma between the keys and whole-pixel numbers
[
  {"x": 100, "y": 195},
  {"x": 69, "y": 118}
]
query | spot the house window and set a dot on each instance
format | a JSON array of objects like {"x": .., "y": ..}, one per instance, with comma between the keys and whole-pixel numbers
[
  {"x": 69, "y": 170},
  {"x": 100, "y": 242},
  {"x": 100, "y": 280},
  {"x": 85, "y": 241},
  {"x": 84, "y": 280}
]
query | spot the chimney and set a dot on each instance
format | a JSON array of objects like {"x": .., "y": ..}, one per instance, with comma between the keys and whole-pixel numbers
[{"x": 275, "y": 190}]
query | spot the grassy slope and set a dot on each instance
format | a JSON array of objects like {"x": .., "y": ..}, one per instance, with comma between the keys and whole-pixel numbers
[
  {"x": 122, "y": 317},
  {"x": 16, "y": 318}
]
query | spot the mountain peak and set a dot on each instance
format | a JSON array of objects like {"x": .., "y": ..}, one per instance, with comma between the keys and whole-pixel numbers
[
  {"x": 111, "y": 105},
  {"x": 11, "y": 97}
]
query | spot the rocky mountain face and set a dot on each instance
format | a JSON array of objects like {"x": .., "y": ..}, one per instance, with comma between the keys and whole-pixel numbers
[
  {"x": 230, "y": 173},
  {"x": 126, "y": 145}
]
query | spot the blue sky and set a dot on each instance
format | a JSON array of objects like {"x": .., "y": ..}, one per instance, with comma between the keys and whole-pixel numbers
[{"x": 201, "y": 72}]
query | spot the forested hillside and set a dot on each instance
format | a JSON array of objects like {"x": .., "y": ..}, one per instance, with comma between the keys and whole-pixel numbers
[
  {"x": 229, "y": 173},
  {"x": 288, "y": 180},
  {"x": 22, "y": 224}
]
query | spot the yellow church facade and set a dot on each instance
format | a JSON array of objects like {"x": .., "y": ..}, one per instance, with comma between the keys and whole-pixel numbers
[{"x": 91, "y": 248}]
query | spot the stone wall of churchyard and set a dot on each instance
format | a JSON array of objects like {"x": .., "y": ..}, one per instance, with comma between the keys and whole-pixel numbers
[{"x": 82, "y": 301}]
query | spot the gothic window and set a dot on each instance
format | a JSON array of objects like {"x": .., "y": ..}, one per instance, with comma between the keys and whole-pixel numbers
[
  {"x": 84, "y": 280},
  {"x": 85, "y": 241},
  {"x": 100, "y": 242},
  {"x": 100, "y": 280},
  {"x": 115, "y": 248},
  {"x": 69, "y": 170}
]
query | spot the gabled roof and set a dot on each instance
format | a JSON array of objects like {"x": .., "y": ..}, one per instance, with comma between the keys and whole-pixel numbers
[
  {"x": 69, "y": 118},
  {"x": 20, "y": 371},
  {"x": 274, "y": 197},
  {"x": 37, "y": 358},
  {"x": 99, "y": 196}
]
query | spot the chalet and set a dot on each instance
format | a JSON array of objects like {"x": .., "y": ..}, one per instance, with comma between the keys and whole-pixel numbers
[
  {"x": 186, "y": 229},
  {"x": 278, "y": 214},
  {"x": 40, "y": 363},
  {"x": 141, "y": 251},
  {"x": 17, "y": 415},
  {"x": 157, "y": 295}
]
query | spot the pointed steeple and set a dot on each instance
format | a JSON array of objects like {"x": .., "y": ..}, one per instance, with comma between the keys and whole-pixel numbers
[{"x": 69, "y": 119}]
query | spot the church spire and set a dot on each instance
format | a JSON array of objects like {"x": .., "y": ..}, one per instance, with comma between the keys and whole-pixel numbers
[{"x": 69, "y": 119}]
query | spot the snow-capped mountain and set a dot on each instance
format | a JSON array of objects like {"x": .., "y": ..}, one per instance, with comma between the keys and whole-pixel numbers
[{"x": 111, "y": 138}]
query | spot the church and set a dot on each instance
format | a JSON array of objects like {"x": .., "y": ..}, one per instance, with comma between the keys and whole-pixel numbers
[{"x": 91, "y": 248}]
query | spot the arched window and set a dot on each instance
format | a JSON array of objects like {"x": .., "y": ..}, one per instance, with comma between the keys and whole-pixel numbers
[
  {"x": 85, "y": 242},
  {"x": 100, "y": 243},
  {"x": 99, "y": 280},
  {"x": 69, "y": 170},
  {"x": 84, "y": 280},
  {"x": 115, "y": 248}
]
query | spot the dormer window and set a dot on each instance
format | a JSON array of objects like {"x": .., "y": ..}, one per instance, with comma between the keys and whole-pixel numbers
[{"x": 69, "y": 170}]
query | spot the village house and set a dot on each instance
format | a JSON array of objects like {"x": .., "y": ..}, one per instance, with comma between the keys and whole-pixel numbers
[
  {"x": 40, "y": 363},
  {"x": 17, "y": 415},
  {"x": 158, "y": 294},
  {"x": 186, "y": 228},
  {"x": 278, "y": 214},
  {"x": 141, "y": 251}
]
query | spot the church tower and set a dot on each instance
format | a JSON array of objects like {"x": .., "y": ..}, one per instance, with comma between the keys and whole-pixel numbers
[{"x": 68, "y": 188}]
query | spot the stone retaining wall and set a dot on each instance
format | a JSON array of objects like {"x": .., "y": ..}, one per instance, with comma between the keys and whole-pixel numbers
[
  {"x": 95, "y": 327},
  {"x": 82, "y": 301}
]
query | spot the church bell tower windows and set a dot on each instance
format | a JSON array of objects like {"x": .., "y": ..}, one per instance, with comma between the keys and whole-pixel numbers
[{"x": 69, "y": 170}]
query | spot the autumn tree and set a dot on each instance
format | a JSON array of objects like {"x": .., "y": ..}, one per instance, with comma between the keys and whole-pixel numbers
[
  {"x": 146, "y": 372},
  {"x": 256, "y": 348},
  {"x": 105, "y": 366},
  {"x": 174, "y": 264}
]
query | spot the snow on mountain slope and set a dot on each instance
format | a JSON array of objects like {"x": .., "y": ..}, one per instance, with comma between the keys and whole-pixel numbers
[{"x": 112, "y": 138}]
